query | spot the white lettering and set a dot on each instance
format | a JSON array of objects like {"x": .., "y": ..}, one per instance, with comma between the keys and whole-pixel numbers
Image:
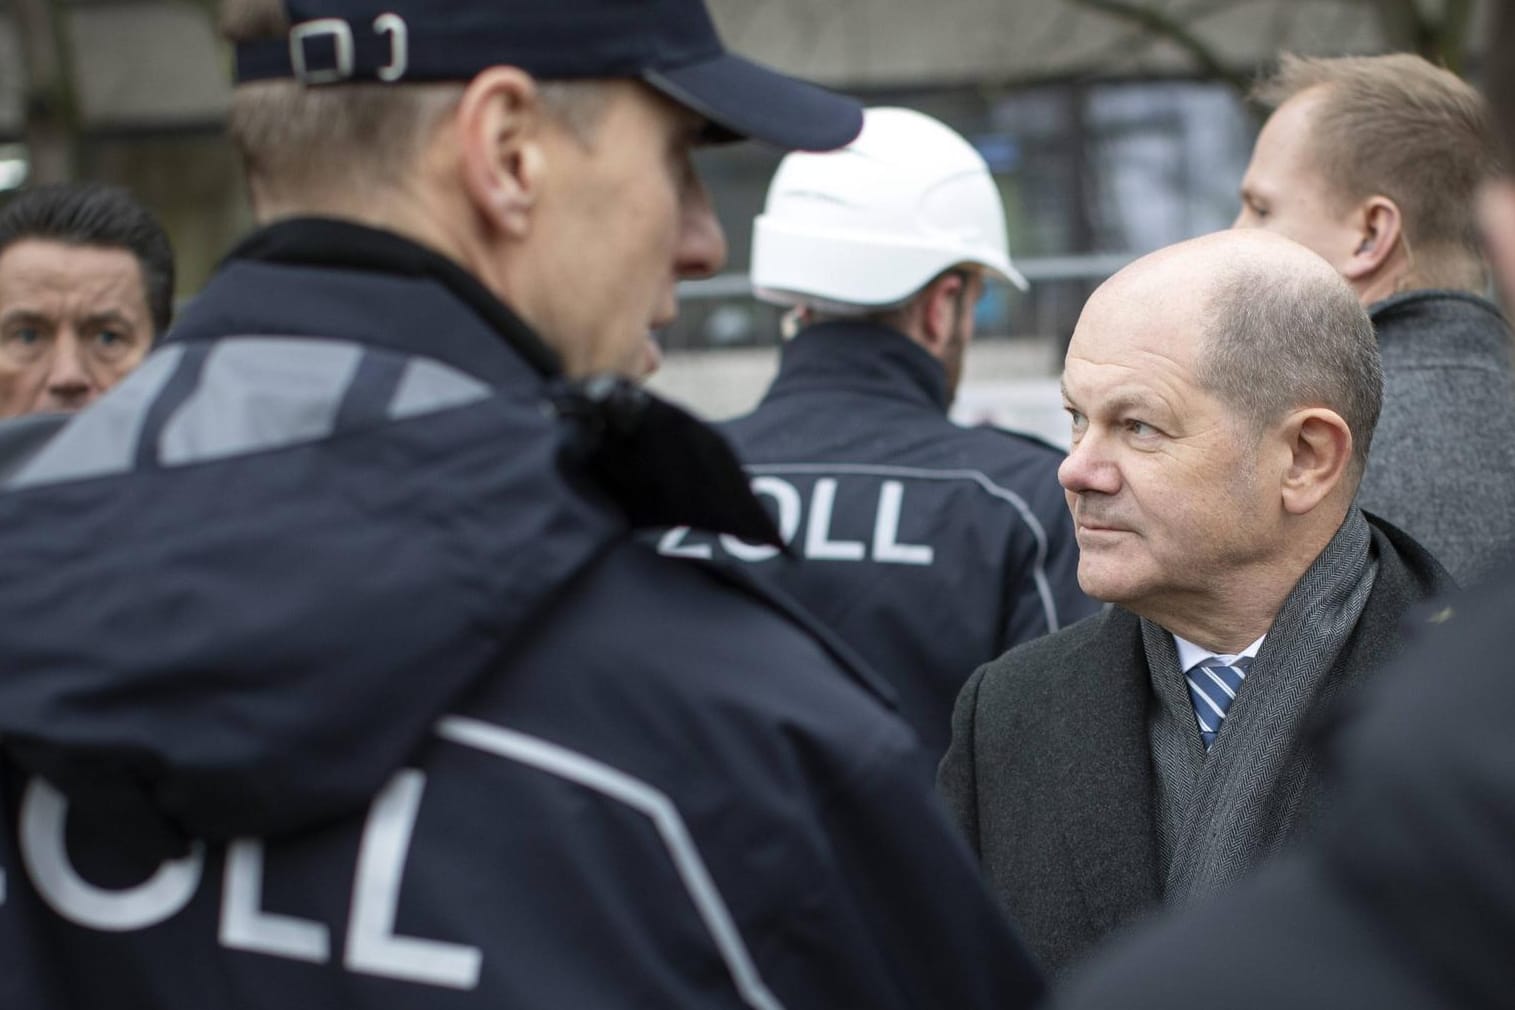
[
  {"x": 788, "y": 499},
  {"x": 372, "y": 945},
  {"x": 743, "y": 551},
  {"x": 886, "y": 531},
  {"x": 245, "y": 926},
  {"x": 372, "y": 948},
  {"x": 44, "y": 818},
  {"x": 790, "y": 509},
  {"x": 672, "y": 545},
  {"x": 818, "y": 542}
]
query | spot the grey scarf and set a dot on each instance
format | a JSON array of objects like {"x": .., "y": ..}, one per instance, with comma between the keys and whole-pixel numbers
[{"x": 1220, "y": 813}]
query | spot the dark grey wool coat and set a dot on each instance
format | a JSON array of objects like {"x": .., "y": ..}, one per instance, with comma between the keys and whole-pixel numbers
[
  {"x": 1051, "y": 771},
  {"x": 1442, "y": 461}
]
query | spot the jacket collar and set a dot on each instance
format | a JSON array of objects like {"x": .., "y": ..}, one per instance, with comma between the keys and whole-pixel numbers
[
  {"x": 864, "y": 358},
  {"x": 1410, "y": 304},
  {"x": 413, "y": 300},
  {"x": 322, "y": 278}
]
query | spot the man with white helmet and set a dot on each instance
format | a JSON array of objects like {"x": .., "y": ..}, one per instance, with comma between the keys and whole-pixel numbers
[{"x": 928, "y": 547}]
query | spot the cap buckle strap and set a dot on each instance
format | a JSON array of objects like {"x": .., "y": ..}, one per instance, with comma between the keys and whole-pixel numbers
[
  {"x": 341, "y": 35},
  {"x": 399, "y": 46}
]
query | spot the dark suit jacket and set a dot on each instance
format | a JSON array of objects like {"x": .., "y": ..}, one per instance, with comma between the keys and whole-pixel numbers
[
  {"x": 1404, "y": 899},
  {"x": 1050, "y": 771}
]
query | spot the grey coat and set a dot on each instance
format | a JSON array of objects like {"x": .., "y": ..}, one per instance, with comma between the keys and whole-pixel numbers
[
  {"x": 1442, "y": 461},
  {"x": 1050, "y": 772}
]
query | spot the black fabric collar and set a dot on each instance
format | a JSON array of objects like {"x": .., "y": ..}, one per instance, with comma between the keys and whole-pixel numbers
[
  {"x": 662, "y": 466},
  {"x": 344, "y": 245},
  {"x": 861, "y": 357}
]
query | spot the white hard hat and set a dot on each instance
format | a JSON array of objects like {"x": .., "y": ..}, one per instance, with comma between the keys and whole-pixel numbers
[{"x": 871, "y": 224}]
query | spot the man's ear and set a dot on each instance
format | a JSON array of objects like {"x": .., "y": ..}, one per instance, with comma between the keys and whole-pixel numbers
[
  {"x": 1496, "y": 222},
  {"x": 940, "y": 306},
  {"x": 1318, "y": 444},
  {"x": 1379, "y": 226},
  {"x": 500, "y": 125}
]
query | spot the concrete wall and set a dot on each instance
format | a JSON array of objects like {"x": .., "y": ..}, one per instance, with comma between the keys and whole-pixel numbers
[
  {"x": 858, "y": 43},
  {"x": 138, "y": 64},
  {"x": 153, "y": 63},
  {"x": 152, "y": 79}
]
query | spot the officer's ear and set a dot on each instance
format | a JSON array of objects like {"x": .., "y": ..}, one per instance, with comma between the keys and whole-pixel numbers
[
  {"x": 1496, "y": 222},
  {"x": 941, "y": 306},
  {"x": 1379, "y": 227},
  {"x": 500, "y": 123}
]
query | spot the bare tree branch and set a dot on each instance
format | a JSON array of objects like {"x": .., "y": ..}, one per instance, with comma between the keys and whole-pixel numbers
[
  {"x": 52, "y": 112},
  {"x": 1159, "y": 24},
  {"x": 1439, "y": 33},
  {"x": 1443, "y": 40},
  {"x": 1400, "y": 21},
  {"x": 1452, "y": 47}
]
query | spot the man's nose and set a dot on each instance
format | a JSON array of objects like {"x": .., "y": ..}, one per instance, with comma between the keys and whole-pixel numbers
[
  {"x": 1088, "y": 468},
  {"x": 68, "y": 377},
  {"x": 702, "y": 241}
]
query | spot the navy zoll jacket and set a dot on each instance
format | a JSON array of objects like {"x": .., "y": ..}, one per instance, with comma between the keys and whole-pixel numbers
[
  {"x": 928, "y": 547},
  {"x": 333, "y": 677}
]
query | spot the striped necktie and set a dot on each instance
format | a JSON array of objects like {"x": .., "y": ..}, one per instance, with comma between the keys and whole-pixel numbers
[{"x": 1212, "y": 688}]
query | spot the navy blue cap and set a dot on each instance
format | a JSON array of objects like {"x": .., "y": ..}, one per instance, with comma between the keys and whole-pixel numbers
[{"x": 672, "y": 45}]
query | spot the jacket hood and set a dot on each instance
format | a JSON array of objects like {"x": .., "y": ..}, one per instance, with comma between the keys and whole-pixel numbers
[{"x": 240, "y": 589}]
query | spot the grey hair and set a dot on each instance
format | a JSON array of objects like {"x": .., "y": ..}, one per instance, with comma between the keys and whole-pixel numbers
[{"x": 1279, "y": 343}]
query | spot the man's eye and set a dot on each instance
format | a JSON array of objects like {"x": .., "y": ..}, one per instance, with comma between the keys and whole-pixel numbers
[
  {"x": 1136, "y": 427},
  {"x": 112, "y": 343},
  {"x": 24, "y": 343}
]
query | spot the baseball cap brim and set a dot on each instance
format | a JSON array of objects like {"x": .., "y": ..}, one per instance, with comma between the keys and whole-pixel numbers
[{"x": 748, "y": 100}]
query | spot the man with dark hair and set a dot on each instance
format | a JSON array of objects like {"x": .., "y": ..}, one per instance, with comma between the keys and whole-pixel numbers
[
  {"x": 86, "y": 286},
  {"x": 1374, "y": 162},
  {"x": 335, "y": 673},
  {"x": 1405, "y": 900},
  {"x": 1222, "y": 395}
]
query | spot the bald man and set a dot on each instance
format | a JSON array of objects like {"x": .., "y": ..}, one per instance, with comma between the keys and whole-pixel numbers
[
  {"x": 1222, "y": 394},
  {"x": 1404, "y": 899}
]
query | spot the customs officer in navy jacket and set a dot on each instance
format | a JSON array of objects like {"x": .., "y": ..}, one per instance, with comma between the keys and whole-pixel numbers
[
  {"x": 929, "y": 547},
  {"x": 334, "y": 674}
]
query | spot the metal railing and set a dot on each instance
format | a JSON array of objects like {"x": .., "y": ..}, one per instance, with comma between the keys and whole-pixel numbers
[{"x": 720, "y": 312}]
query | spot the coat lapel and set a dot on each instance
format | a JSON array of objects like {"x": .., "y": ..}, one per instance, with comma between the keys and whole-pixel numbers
[{"x": 1101, "y": 753}]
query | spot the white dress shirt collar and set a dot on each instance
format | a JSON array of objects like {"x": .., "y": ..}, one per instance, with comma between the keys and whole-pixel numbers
[{"x": 1190, "y": 654}]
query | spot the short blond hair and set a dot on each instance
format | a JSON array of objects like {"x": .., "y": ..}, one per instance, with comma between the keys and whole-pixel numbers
[
  {"x": 1398, "y": 126},
  {"x": 298, "y": 140}
]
